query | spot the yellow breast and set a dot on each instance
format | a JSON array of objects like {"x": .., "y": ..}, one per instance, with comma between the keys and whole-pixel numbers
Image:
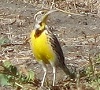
[{"x": 41, "y": 47}]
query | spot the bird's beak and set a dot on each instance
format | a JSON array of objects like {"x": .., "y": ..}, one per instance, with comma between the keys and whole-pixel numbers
[{"x": 44, "y": 17}]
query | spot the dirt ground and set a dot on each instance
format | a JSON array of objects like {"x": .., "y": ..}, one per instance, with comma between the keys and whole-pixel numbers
[{"x": 17, "y": 21}]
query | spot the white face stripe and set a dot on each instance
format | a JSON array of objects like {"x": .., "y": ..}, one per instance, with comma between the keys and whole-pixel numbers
[
  {"x": 38, "y": 13},
  {"x": 37, "y": 26},
  {"x": 35, "y": 16}
]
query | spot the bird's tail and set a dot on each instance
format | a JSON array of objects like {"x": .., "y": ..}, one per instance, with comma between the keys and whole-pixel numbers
[{"x": 71, "y": 71}]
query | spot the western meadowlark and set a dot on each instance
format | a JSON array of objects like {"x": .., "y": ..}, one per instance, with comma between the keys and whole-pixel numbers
[{"x": 45, "y": 46}]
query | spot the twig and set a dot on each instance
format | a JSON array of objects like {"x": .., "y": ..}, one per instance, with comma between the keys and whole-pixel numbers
[
  {"x": 84, "y": 14},
  {"x": 68, "y": 12}
]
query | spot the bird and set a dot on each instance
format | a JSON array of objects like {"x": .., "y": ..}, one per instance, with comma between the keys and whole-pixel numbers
[{"x": 46, "y": 47}]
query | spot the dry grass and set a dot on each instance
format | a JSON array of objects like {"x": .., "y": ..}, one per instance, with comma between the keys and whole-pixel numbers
[{"x": 15, "y": 48}]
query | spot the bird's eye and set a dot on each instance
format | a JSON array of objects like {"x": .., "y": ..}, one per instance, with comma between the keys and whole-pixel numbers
[{"x": 42, "y": 12}]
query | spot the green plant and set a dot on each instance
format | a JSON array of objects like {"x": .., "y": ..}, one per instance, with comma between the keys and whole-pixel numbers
[{"x": 9, "y": 75}]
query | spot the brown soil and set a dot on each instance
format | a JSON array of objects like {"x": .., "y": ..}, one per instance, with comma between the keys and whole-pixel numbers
[{"x": 16, "y": 23}]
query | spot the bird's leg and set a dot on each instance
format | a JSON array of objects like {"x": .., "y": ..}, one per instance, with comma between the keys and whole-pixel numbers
[
  {"x": 54, "y": 75},
  {"x": 54, "y": 71},
  {"x": 45, "y": 72}
]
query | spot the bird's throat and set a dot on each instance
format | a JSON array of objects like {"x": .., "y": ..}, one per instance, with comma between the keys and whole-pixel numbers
[{"x": 39, "y": 31}]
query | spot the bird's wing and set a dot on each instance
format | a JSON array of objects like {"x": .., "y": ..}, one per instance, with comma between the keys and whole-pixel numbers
[
  {"x": 56, "y": 47},
  {"x": 59, "y": 54}
]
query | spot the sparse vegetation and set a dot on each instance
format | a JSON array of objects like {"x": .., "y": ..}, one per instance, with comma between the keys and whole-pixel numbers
[{"x": 81, "y": 47}]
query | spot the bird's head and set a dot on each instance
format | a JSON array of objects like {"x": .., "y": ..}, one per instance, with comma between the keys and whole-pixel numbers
[{"x": 41, "y": 19}]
